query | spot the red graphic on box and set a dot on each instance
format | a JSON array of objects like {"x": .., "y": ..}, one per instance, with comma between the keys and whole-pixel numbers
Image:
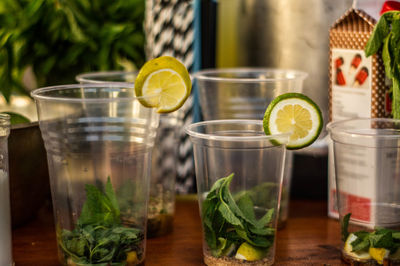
[
  {"x": 361, "y": 76},
  {"x": 355, "y": 62},
  {"x": 339, "y": 62},
  {"x": 340, "y": 80},
  {"x": 359, "y": 207}
]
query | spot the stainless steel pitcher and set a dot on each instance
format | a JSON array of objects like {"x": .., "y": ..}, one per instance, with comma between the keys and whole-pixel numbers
[{"x": 290, "y": 34}]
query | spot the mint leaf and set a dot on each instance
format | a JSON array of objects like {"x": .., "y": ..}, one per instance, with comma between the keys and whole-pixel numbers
[
  {"x": 360, "y": 244},
  {"x": 381, "y": 239},
  {"x": 226, "y": 197},
  {"x": 221, "y": 246},
  {"x": 98, "y": 237},
  {"x": 380, "y": 32},
  {"x": 396, "y": 235},
  {"x": 266, "y": 231},
  {"x": 246, "y": 205},
  {"x": 210, "y": 235},
  {"x": 216, "y": 187},
  {"x": 229, "y": 215},
  {"x": 386, "y": 56},
  {"x": 229, "y": 221},
  {"x": 386, "y": 38},
  {"x": 266, "y": 219},
  {"x": 344, "y": 227},
  {"x": 109, "y": 192},
  {"x": 101, "y": 208},
  {"x": 255, "y": 240}
]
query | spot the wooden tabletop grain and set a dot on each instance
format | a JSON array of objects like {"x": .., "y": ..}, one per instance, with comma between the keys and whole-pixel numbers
[{"x": 309, "y": 238}]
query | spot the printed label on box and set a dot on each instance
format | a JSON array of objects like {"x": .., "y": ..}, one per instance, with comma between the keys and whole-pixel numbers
[{"x": 351, "y": 86}]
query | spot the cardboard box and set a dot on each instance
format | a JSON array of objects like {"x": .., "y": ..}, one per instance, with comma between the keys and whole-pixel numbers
[{"x": 357, "y": 89}]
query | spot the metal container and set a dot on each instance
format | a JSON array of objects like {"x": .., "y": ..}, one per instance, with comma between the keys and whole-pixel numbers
[{"x": 285, "y": 34}]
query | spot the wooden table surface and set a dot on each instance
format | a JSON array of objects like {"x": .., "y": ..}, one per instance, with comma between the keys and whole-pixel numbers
[{"x": 309, "y": 238}]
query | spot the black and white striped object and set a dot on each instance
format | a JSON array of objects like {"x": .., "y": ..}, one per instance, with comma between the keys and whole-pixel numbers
[{"x": 169, "y": 27}]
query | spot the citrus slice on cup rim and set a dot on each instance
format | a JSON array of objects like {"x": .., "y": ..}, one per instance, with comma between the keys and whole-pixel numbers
[
  {"x": 165, "y": 84},
  {"x": 294, "y": 113}
]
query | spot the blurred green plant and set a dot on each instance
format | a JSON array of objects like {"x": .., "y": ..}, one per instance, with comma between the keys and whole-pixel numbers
[{"x": 62, "y": 38}]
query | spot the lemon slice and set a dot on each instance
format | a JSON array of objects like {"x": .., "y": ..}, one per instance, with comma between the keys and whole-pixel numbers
[
  {"x": 379, "y": 254},
  {"x": 132, "y": 258},
  {"x": 165, "y": 84},
  {"x": 294, "y": 113},
  {"x": 360, "y": 255},
  {"x": 249, "y": 253}
]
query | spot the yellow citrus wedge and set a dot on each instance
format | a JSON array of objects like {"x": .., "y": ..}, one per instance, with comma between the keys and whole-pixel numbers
[
  {"x": 348, "y": 249},
  {"x": 294, "y": 113},
  {"x": 249, "y": 253},
  {"x": 165, "y": 84},
  {"x": 379, "y": 254}
]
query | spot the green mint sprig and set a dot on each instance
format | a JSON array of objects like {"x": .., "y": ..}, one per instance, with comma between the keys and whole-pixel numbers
[
  {"x": 386, "y": 38},
  {"x": 228, "y": 222},
  {"x": 99, "y": 237}
]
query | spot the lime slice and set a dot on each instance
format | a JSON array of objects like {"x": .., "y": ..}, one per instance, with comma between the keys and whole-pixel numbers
[
  {"x": 165, "y": 82},
  {"x": 360, "y": 255},
  {"x": 379, "y": 254},
  {"x": 249, "y": 253},
  {"x": 297, "y": 114}
]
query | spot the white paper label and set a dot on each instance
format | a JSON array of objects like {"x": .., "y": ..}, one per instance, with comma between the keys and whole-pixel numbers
[{"x": 351, "y": 84}]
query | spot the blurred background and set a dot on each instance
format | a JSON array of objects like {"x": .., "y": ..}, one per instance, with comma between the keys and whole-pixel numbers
[{"x": 49, "y": 42}]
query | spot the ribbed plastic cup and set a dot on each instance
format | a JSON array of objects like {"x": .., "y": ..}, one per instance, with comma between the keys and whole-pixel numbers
[
  {"x": 94, "y": 133},
  {"x": 164, "y": 158},
  {"x": 367, "y": 166},
  {"x": 241, "y": 148},
  {"x": 244, "y": 93}
]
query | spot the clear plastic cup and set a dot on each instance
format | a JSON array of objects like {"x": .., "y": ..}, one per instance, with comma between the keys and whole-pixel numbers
[
  {"x": 367, "y": 160},
  {"x": 164, "y": 158},
  {"x": 107, "y": 76},
  {"x": 98, "y": 139},
  {"x": 244, "y": 93},
  {"x": 5, "y": 215},
  {"x": 241, "y": 215}
]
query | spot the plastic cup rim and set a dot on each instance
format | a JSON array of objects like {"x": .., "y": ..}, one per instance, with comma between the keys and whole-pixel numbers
[
  {"x": 204, "y": 75},
  {"x": 85, "y": 77},
  {"x": 334, "y": 129},
  {"x": 189, "y": 130},
  {"x": 37, "y": 94}
]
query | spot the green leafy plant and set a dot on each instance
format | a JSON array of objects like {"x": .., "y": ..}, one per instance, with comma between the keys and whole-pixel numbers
[
  {"x": 59, "y": 39},
  {"x": 386, "y": 39},
  {"x": 230, "y": 221},
  {"x": 99, "y": 237}
]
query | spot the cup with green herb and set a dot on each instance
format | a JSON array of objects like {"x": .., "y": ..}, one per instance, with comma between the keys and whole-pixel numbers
[
  {"x": 239, "y": 173},
  {"x": 368, "y": 189},
  {"x": 239, "y": 170},
  {"x": 164, "y": 158},
  {"x": 98, "y": 139}
]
